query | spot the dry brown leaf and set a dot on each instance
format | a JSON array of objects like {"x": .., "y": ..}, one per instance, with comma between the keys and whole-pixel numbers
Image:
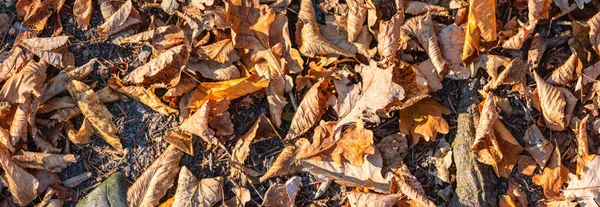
[
  {"x": 427, "y": 37},
  {"x": 557, "y": 104},
  {"x": 81, "y": 136},
  {"x": 313, "y": 106},
  {"x": 13, "y": 61},
  {"x": 283, "y": 194},
  {"x": 393, "y": 148},
  {"x": 275, "y": 97},
  {"x": 584, "y": 83},
  {"x": 526, "y": 165},
  {"x": 221, "y": 51},
  {"x": 355, "y": 143},
  {"x": 161, "y": 38},
  {"x": 558, "y": 202},
  {"x": 594, "y": 24},
  {"x": 222, "y": 124},
  {"x": 198, "y": 123},
  {"x": 82, "y": 10},
  {"x": 407, "y": 184},
  {"x": 553, "y": 176},
  {"x": 162, "y": 71},
  {"x": 182, "y": 141},
  {"x": 153, "y": 184},
  {"x": 52, "y": 50},
  {"x": 451, "y": 40},
  {"x": 513, "y": 74},
  {"x": 357, "y": 14},
  {"x": 538, "y": 9},
  {"x": 536, "y": 50},
  {"x": 414, "y": 83},
  {"x": 56, "y": 84},
  {"x": 389, "y": 36},
  {"x": 214, "y": 70},
  {"x": 231, "y": 89},
  {"x": 105, "y": 95},
  {"x": 312, "y": 41},
  {"x": 37, "y": 13},
  {"x": 418, "y": 8},
  {"x": 95, "y": 112},
  {"x": 262, "y": 129},
  {"x": 335, "y": 31},
  {"x": 583, "y": 152},
  {"x": 185, "y": 85},
  {"x": 44, "y": 161},
  {"x": 585, "y": 188},
  {"x": 143, "y": 95},
  {"x": 25, "y": 84},
  {"x": 424, "y": 120},
  {"x": 430, "y": 73},
  {"x": 125, "y": 17},
  {"x": 169, "y": 6},
  {"x": 22, "y": 185},
  {"x": 194, "y": 192},
  {"x": 242, "y": 196},
  {"x": 537, "y": 145},
  {"x": 362, "y": 100},
  {"x": 359, "y": 199},
  {"x": 481, "y": 23},
  {"x": 566, "y": 73}
]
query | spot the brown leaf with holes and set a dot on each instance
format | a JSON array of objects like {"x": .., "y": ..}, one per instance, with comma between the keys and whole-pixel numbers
[
  {"x": 95, "y": 112},
  {"x": 557, "y": 104},
  {"x": 424, "y": 120},
  {"x": 154, "y": 182}
]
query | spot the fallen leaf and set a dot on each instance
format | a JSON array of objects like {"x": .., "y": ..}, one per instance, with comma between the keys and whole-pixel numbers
[
  {"x": 221, "y": 51},
  {"x": 154, "y": 182},
  {"x": 311, "y": 108},
  {"x": 557, "y": 104},
  {"x": 481, "y": 23},
  {"x": 553, "y": 176},
  {"x": 182, "y": 141},
  {"x": 214, "y": 70},
  {"x": 231, "y": 89},
  {"x": 81, "y": 136},
  {"x": 566, "y": 73},
  {"x": 38, "y": 13},
  {"x": 584, "y": 83},
  {"x": 516, "y": 41},
  {"x": 419, "y": 8},
  {"x": 536, "y": 50},
  {"x": 169, "y": 6},
  {"x": 22, "y": 185},
  {"x": 583, "y": 152},
  {"x": 125, "y": 17},
  {"x": 222, "y": 124},
  {"x": 262, "y": 129},
  {"x": 359, "y": 199},
  {"x": 389, "y": 36},
  {"x": 526, "y": 165},
  {"x": 427, "y": 37},
  {"x": 362, "y": 100},
  {"x": 95, "y": 112},
  {"x": 594, "y": 24},
  {"x": 513, "y": 74},
  {"x": 162, "y": 71},
  {"x": 82, "y": 10},
  {"x": 357, "y": 14},
  {"x": 355, "y": 143},
  {"x": 56, "y": 84},
  {"x": 537, "y": 145},
  {"x": 451, "y": 40},
  {"x": 198, "y": 123},
  {"x": 13, "y": 61},
  {"x": 52, "y": 50},
  {"x": 143, "y": 95},
  {"x": 442, "y": 160},
  {"x": 424, "y": 120},
  {"x": 194, "y": 192},
  {"x": 283, "y": 194},
  {"x": 161, "y": 38},
  {"x": 407, "y": 184},
  {"x": 44, "y": 161},
  {"x": 26, "y": 83},
  {"x": 584, "y": 189}
]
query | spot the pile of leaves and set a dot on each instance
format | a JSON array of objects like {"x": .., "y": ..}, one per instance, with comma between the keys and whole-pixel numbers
[{"x": 350, "y": 89}]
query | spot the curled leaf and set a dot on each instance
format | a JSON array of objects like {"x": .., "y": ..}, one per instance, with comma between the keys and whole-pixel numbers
[
  {"x": 194, "y": 192},
  {"x": 161, "y": 38},
  {"x": 124, "y": 17},
  {"x": 355, "y": 143},
  {"x": 311, "y": 108},
  {"x": 143, "y": 95},
  {"x": 261, "y": 130},
  {"x": 283, "y": 195},
  {"x": 566, "y": 73},
  {"x": 82, "y": 10},
  {"x": 28, "y": 82},
  {"x": 312, "y": 42},
  {"x": 557, "y": 104},
  {"x": 481, "y": 23}
]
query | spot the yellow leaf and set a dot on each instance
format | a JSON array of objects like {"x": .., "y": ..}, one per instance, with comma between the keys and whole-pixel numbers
[
  {"x": 355, "y": 143},
  {"x": 230, "y": 89},
  {"x": 553, "y": 176},
  {"x": 481, "y": 23},
  {"x": 143, "y": 95}
]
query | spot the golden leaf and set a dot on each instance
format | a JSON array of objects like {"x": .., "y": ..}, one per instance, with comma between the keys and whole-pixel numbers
[
  {"x": 553, "y": 176},
  {"x": 182, "y": 141},
  {"x": 230, "y": 89},
  {"x": 22, "y": 185},
  {"x": 355, "y": 143},
  {"x": 162, "y": 71},
  {"x": 424, "y": 120},
  {"x": 312, "y": 42},
  {"x": 154, "y": 182},
  {"x": 143, "y": 95},
  {"x": 81, "y": 136},
  {"x": 557, "y": 104},
  {"x": 262, "y": 129},
  {"x": 125, "y": 17},
  {"x": 481, "y": 23},
  {"x": 28, "y": 82},
  {"x": 311, "y": 108},
  {"x": 194, "y": 192},
  {"x": 214, "y": 70},
  {"x": 95, "y": 112},
  {"x": 221, "y": 51}
]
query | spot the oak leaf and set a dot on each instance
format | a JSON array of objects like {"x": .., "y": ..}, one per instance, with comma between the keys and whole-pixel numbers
[
  {"x": 162, "y": 71},
  {"x": 154, "y": 182},
  {"x": 194, "y": 192},
  {"x": 95, "y": 112},
  {"x": 557, "y": 104},
  {"x": 355, "y": 143},
  {"x": 424, "y": 120}
]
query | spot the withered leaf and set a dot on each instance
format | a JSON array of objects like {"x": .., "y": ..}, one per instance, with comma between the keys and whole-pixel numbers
[
  {"x": 537, "y": 145},
  {"x": 312, "y": 107},
  {"x": 312, "y": 42},
  {"x": 553, "y": 176},
  {"x": 261, "y": 130},
  {"x": 360, "y": 199},
  {"x": 424, "y": 120},
  {"x": 143, "y": 95},
  {"x": 198, "y": 123},
  {"x": 481, "y": 23},
  {"x": 52, "y": 50},
  {"x": 82, "y": 10},
  {"x": 162, "y": 71},
  {"x": 44, "y": 161},
  {"x": 557, "y": 104},
  {"x": 283, "y": 194},
  {"x": 28, "y": 82},
  {"x": 56, "y": 84},
  {"x": 389, "y": 36},
  {"x": 230, "y": 89},
  {"x": 182, "y": 141},
  {"x": 81, "y": 136},
  {"x": 594, "y": 24},
  {"x": 161, "y": 38},
  {"x": 566, "y": 73},
  {"x": 357, "y": 14},
  {"x": 419, "y": 7},
  {"x": 221, "y": 51},
  {"x": 153, "y": 184},
  {"x": 355, "y": 143},
  {"x": 13, "y": 61},
  {"x": 95, "y": 112},
  {"x": 194, "y": 192},
  {"x": 214, "y": 70},
  {"x": 22, "y": 185},
  {"x": 124, "y": 17},
  {"x": 584, "y": 189}
]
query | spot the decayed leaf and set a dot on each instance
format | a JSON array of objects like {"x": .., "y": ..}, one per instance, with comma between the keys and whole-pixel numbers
[
  {"x": 22, "y": 185},
  {"x": 261, "y": 130},
  {"x": 594, "y": 24},
  {"x": 553, "y": 176},
  {"x": 221, "y": 51},
  {"x": 182, "y": 141},
  {"x": 424, "y": 120},
  {"x": 143, "y": 95},
  {"x": 389, "y": 36},
  {"x": 28, "y": 82},
  {"x": 312, "y": 42},
  {"x": 81, "y": 136},
  {"x": 82, "y": 10},
  {"x": 585, "y": 188},
  {"x": 44, "y": 161},
  {"x": 357, "y": 14},
  {"x": 362, "y": 100},
  {"x": 222, "y": 124},
  {"x": 567, "y": 72},
  {"x": 95, "y": 112},
  {"x": 194, "y": 192},
  {"x": 231, "y": 89},
  {"x": 312, "y": 107},
  {"x": 161, "y": 38},
  {"x": 56, "y": 85},
  {"x": 359, "y": 199},
  {"x": 123, "y": 18},
  {"x": 414, "y": 83},
  {"x": 355, "y": 143},
  {"x": 481, "y": 23},
  {"x": 214, "y": 70},
  {"x": 16, "y": 59},
  {"x": 537, "y": 145},
  {"x": 162, "y": 71},
  {"x": 494, "y": 145},
  {"x": 557, "y": 104},
  {"x": 153, "y": 184},
  {"x": 283, "y": 194},
  {"x": 393, "y": 149},
  {"x": 52, "y": 50}
]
